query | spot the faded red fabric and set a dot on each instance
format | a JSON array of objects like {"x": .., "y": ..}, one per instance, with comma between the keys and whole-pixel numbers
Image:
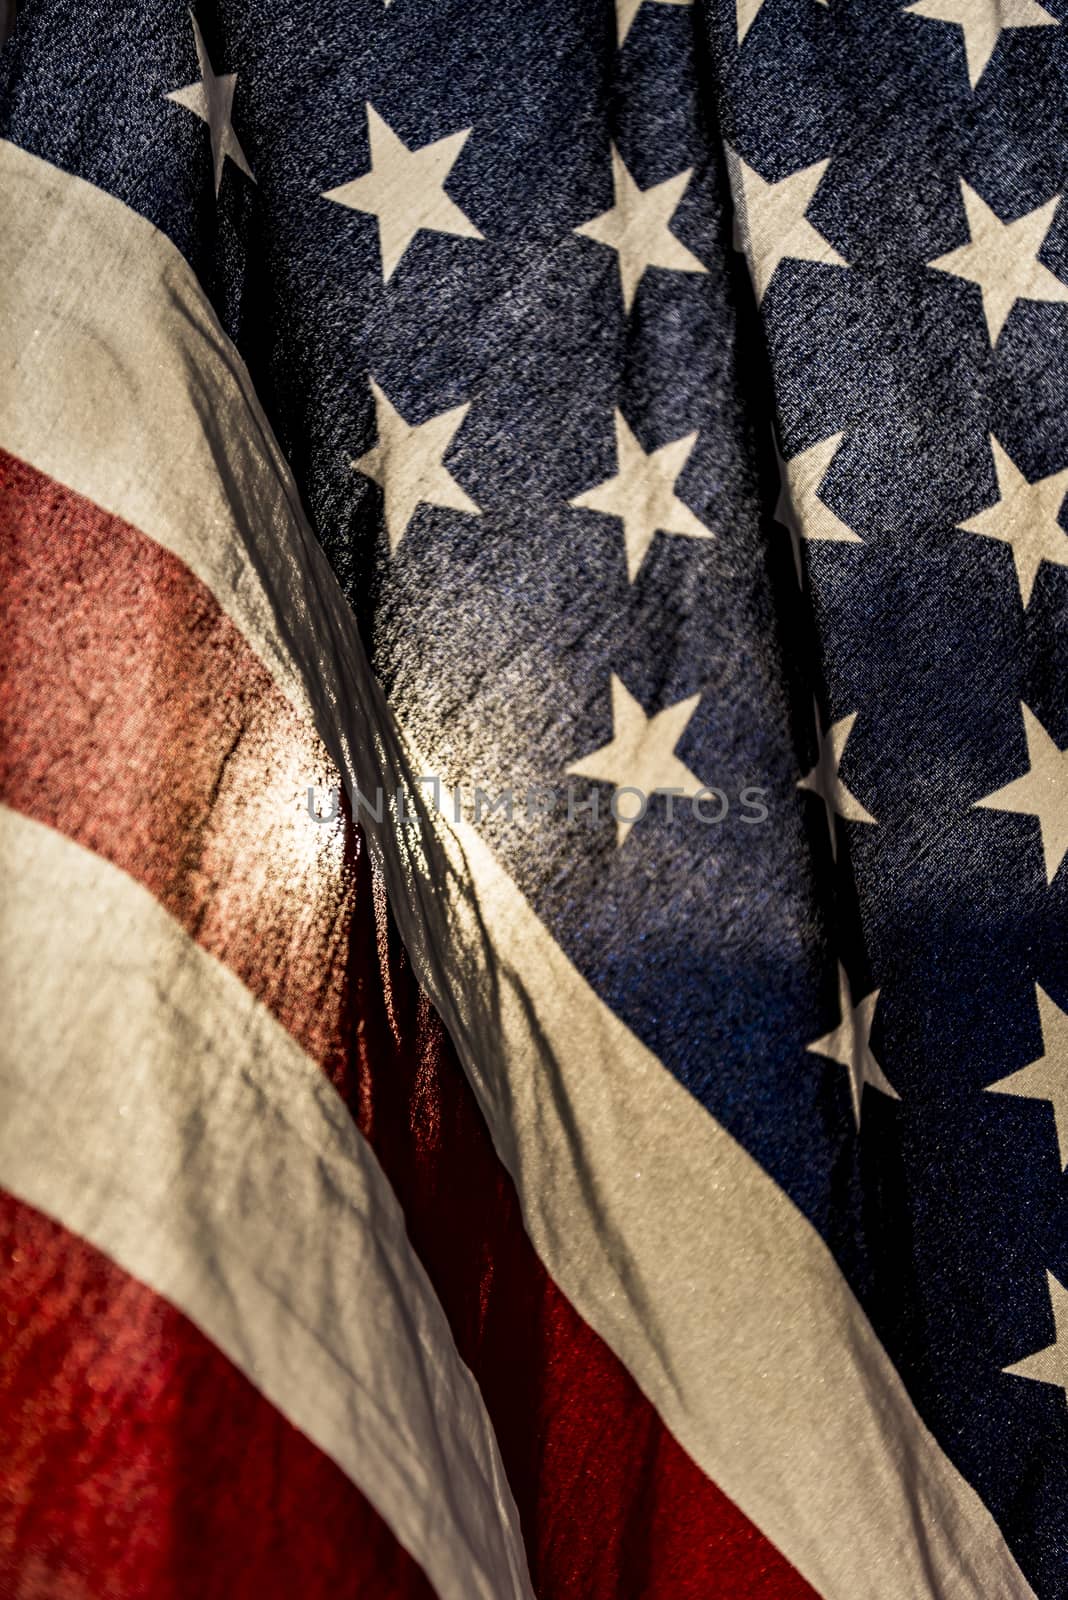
[{"x": 137, "y": 1461}]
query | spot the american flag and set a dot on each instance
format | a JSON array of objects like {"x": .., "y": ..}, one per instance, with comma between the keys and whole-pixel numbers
[{"x": 534, "y": 761}]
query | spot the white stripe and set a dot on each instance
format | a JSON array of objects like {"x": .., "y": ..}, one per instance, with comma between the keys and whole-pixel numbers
[
  {"x": 704, "y": 1279},
  {"x": 153, "y": 1106}
]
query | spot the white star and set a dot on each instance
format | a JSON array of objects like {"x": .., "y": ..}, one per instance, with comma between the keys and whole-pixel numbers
[
  {"x": 1046, "y": 1078},
  {"x": 799, "y": 508},
  {"x": 1024, "y": 516},
  {"x": 407, "y": 464},
  {"x": 627, "y": 10},
  {"x": 642, "y": 494},
  {"x": 641, "y": 753},
  {"x": 981, "y": 22},
  {"x": 747, "y": 14},
  {"x": 1042, "y": 792},
  {"x": 405, "y": 190},
  {"x": 1002, "y": 258},
  {"x": 771, "y": 223},
  {"x": 824, "y": 780},
  {"x": 212, "y": 100},
  {"x": 1051, "y": 1364},
  {"x": 848, "y": 1045},
  {"x": 637, "y": 227}
]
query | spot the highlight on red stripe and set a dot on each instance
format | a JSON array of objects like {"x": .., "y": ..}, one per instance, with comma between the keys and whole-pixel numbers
[
  {"x": 135, "y": 718},
  {"x": 138, "y": 1461}
]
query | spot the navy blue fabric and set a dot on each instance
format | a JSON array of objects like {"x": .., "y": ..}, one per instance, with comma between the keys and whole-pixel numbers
[{"x": 497, "y": 635}]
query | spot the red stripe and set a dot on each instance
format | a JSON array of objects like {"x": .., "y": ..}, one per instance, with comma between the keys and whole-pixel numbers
[
  {"x": 138, "y": 1461},
  {"x": 135, "y": 718}
]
